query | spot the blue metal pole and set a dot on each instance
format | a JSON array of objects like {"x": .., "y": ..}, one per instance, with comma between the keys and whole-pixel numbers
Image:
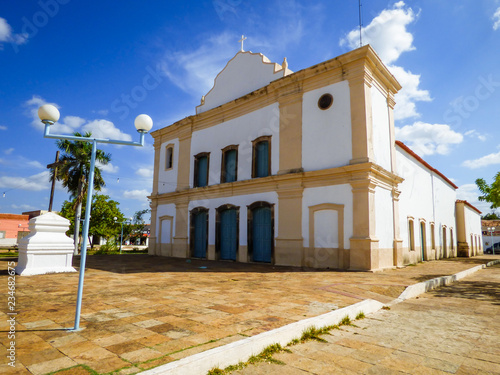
[
  {"x": 85, "y": 234},
  {"x": 121, "y": 238}
]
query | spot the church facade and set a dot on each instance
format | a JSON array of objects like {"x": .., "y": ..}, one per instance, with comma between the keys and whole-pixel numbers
[{"x": 302, "y": 169}]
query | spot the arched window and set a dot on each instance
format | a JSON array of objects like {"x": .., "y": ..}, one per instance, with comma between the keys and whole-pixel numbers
[
  {"x": 229, "y": 167},
  {"x": 201, "y": 166},
  {"x": 261, "y": 157}
]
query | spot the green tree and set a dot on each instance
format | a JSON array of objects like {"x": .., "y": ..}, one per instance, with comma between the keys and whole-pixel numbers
[
  {"x": 139, "y": 223},
  {"x": 102, "y": 222},
  {"x": 74, "y": 172},
  {"x": 491, "y": 193}
]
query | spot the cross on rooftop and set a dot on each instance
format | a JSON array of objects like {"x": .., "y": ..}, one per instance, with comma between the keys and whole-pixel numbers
[{"x": 243, "y": 38}]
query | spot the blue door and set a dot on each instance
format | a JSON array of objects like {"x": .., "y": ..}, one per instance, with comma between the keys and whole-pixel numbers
[
  {"x": 262, "y": 237},
  {"x": 228, "y": 234},
  {"x": 200, "y": 234}
]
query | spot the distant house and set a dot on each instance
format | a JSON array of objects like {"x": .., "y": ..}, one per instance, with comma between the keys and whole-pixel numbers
[
  {"x": 302, "y": 169},
  {"x": 12, "y": 228},
  {"x": 491, "y": 234}
]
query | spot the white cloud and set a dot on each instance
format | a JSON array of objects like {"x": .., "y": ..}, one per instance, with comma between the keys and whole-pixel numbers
[
  {"x": 496, "y": 19},
  {"x": 6, "y": 34},
  {"x": 109, "y": 168},
  {"x": 409, "y": 94},
  {"x": 144, "y": 172},
  {"x": 475, "y": 133},
  {"x": 36, "y": 182},
  {"x": 99, "y": 128},
  {"x": 386, "y": 33},
  {"x": 140, "y": 195},
  {"x": 8, "y": 151},
  {"x": 105, "y": 129},
  {"x": 3, "y": 127},
  {"x": 194, "y": 71},
  {"x": 429, "y": 139},
  {"x": 470, "y": 193},
  {"x": 490, "y": 159},
  {"x": 35, "y": 163},
  {"x": 24, "y": 207}
]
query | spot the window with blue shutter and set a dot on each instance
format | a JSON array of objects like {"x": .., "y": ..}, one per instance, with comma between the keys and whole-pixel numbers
[
  {"x": 201, "y": 170},
  {"x": 261, "y": 157},
  {"x": 229, "y": 171}
]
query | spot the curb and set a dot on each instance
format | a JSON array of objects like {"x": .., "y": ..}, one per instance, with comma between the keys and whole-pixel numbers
[
  {"x": 425, "y": 286},
  {"x": 241, "y": 350}
]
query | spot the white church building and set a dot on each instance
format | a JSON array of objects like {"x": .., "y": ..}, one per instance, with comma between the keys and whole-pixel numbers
[{"x": 303, "y": 169}]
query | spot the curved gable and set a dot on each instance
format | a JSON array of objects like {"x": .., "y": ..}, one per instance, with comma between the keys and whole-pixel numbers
[{"x": 244, "y": 73}]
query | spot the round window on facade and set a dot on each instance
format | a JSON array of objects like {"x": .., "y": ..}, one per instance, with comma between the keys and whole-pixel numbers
[{"x": 325, "y": 101}]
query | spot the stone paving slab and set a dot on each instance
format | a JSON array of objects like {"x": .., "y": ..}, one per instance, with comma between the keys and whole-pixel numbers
[
  {"x": 451, "y": 330},
  {"x": 140, "y": 312}
]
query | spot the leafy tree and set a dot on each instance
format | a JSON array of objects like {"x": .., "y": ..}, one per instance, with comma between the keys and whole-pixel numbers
[
  {"x": 490, "y": 216},
  {"x": 139, "y": 223},
  {"x": 74, "y": 173},
  {"x": 102, "y": 222},
  {"x": 491, "y": 193}
]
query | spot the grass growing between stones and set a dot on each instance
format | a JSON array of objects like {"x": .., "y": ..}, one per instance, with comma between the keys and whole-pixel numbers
[
  {"x": 265, "y": 356},
  {"x": 309, "y": 334}
]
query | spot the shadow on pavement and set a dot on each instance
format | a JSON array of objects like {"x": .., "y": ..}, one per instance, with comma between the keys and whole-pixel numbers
[
  {"x": 141, "y": 263},
  {"x": 475, "y": 290}
]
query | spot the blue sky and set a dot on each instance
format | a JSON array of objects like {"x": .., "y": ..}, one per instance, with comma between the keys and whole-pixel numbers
[{"x": 104, "y": 62}]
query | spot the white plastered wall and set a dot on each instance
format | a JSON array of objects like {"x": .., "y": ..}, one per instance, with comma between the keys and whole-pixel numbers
[
  {"x": 337, "y": 194},
  {"x": 445, "y": 197},
  {"x": 381, "y": 130},
  {"x": 165, "y": 210},
  {"x": 250, "y": 71},
  {"x": 473, "y": 226},
  {"x": 240, "y": 131},
  {"x": 241, "y": 201},
  {"x": 425, "y": 196},
  {"x": 167, "y": 179},
  {"x": 384, "y": 218},
  {"x": 326, "y": 134}
]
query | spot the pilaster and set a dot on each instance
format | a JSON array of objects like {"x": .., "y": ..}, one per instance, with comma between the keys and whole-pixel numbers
[
  {"x": 398, "y": 242},
  {"x": 364, "y": 244},
  {"x": 184, "y": 163},
  {"x": 180, "y": 247},
  {"x": 153, "y": 248},
  {"x": 289, "y": 250},
  {"x": 290, "y": 128},
  {"x": 360, "y": 82}
]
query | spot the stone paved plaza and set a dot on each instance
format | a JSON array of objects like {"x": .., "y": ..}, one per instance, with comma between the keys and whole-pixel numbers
[
  {"x": 451, "y": 330},
  {"x": 140, "y": 312}
]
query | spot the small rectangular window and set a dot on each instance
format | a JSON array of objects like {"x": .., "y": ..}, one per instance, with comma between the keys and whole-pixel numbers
[
  {"x": 411, "y": 235},
  {"x": 169, "y": 157},
  {"x": 261, "y": 160},
  {"x": 201, "y": 162},
  {"x": 229, "y": 170}
]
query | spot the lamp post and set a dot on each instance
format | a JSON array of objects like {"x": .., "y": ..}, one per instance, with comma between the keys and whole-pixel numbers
[
  {"x": 491, "y": 230},
  {"x": 121, "y": 224},
  {"x": 49, "y": 115}
]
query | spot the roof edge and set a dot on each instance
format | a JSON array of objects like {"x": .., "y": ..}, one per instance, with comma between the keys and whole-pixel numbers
[{"x": 424, "y": 163}]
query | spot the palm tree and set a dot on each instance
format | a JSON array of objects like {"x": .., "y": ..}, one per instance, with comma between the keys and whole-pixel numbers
[{"x": 74, "y": 173}]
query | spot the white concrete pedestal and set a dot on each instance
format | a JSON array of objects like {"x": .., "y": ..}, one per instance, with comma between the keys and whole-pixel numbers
[{"x": 46, "y": 249}]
